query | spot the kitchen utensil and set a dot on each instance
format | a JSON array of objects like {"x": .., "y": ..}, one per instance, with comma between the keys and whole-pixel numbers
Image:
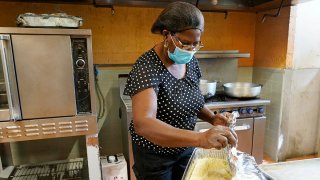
[
  {"x": 242, "y": 89},
  {"x": 208, "y": 88}
]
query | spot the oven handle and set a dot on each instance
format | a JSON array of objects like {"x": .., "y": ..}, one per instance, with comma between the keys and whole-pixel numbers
[
  {"x": 236, "y": 128},
  {"x": 9, "y": 76},
  {"x": 242, "y": 128}
]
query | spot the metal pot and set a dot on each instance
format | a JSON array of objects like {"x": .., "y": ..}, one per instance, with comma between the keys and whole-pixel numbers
[
  {"x": 242, "y": 89},
  {"x": 208, "y": 88}
]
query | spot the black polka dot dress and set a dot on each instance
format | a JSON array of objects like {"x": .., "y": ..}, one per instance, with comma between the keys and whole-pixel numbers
[{"x": 178, "y": 100}]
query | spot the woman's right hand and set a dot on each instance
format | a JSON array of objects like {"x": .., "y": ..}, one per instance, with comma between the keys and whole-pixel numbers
[{"x": 218, "y": 137}]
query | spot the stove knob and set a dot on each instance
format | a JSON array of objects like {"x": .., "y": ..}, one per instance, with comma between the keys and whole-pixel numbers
[
  {"x": 250, "y": 110},
  {"x": 80, "y": 63},
  {"x": 260, "y": 110},
  {"x": 242, "y": 111}
]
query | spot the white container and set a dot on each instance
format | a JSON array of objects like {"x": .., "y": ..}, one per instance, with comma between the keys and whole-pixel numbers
[
  {"x": 114, "y": 167},
  {"x": 208, "y": 88}
]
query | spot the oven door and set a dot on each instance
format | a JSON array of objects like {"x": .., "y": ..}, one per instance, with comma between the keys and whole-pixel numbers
[
  {"x": 243, "y": 128},
  {"x": 44, "y": 70},
  {"x": 9, "y": 99}
]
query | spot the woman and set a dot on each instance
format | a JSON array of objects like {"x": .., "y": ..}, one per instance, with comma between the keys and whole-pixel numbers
[{"x": 166, "y": 100}]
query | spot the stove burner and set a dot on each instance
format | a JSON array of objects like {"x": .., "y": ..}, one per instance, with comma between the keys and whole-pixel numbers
[{"x": 222, "y": 97}]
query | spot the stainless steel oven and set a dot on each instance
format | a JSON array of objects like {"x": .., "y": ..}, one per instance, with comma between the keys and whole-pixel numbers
[{"x": 46, "y": 83}]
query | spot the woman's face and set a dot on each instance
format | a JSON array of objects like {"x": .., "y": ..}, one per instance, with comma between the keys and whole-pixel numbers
[{"x": 188, "y": 40}]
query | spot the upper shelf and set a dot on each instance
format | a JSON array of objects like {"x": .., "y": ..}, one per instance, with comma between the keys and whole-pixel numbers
[
  {"x": 221, "y": 54},
  {"x": 204, "y": 5}
]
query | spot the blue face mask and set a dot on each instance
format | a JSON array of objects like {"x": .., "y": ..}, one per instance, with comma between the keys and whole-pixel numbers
[{"x": 181, "y": 56}]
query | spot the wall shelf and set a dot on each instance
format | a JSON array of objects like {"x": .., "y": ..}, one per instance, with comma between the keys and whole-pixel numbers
[{"x": 221, "y": 54}]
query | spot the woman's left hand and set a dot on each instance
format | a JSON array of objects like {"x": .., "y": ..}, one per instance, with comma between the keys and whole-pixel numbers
[{"x": 221, "y": 119}]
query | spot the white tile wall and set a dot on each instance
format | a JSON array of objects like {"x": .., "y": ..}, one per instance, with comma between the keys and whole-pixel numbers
[
  {"x": 293, "y": 115},
  {"x": 300, "y": 112},
  {"x": 272, "y": 81}
]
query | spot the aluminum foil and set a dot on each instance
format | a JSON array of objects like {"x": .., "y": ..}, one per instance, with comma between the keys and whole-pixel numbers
[
  {"x": 49, "y": 20},
  {"x": 247, "y": 168},
  {"x": 243, "y": 166}
]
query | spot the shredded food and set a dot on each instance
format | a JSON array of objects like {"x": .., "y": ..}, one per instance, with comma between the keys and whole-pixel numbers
[{"x": 211, "y": 169}]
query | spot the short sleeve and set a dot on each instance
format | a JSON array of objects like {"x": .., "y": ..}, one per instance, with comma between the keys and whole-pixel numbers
[
  {"x": 142, "y": 76},
  {"x": 195, "y": 72},
  {"x": 197, "y": 68}
]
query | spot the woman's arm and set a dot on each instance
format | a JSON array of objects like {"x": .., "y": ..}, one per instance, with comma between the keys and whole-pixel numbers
[{"x": 144, "y": 105}]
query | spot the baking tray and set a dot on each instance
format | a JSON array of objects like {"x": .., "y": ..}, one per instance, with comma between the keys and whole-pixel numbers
[
  {"x": 55, "y": 20},
  {"x": 308, "y": 169},
  {"x": 200, "y": 153}
]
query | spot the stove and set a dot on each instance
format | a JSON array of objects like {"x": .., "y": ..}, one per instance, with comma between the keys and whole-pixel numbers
[
  {"x": 250, "y": 125},
  {"x": 247, "y": 107}
]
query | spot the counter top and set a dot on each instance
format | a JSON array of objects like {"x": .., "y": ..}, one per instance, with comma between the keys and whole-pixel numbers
[{"x": 294, "y": 170}]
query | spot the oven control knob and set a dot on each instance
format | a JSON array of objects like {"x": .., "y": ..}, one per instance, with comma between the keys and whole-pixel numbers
[
  {"x": 249, "y": 110},
  {"x": 80, "y": 63},
  {"x": 260, "y": 110},
  {"x": 242, "y": 111}
]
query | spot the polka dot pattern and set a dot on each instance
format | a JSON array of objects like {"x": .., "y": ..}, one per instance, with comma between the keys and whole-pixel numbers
[{"x": 178, "y": 100}]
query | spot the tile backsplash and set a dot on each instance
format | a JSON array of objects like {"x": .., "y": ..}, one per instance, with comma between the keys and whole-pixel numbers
[
  {"x": 244, "y": 74},
  {"x": 221, "y": 70}
]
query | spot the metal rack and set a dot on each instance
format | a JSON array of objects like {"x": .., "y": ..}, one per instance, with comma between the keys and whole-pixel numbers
[{"x": 75, "y": 169}]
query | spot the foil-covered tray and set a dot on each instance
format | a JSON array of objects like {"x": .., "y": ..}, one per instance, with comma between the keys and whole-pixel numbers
[
  {"x": 49, "y": 20},
  {"x": 242, "y": 165},
  {"x": 217, "y": 157}
]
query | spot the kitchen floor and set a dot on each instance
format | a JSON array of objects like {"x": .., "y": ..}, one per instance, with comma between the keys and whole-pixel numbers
[{"x": 268, "y": 160}]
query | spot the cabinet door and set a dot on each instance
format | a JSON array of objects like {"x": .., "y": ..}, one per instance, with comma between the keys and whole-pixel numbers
[
  {"x": 44, "y": 75},
  {"x": 244, "y": 130},
  {"x": 258, "y": 138}
]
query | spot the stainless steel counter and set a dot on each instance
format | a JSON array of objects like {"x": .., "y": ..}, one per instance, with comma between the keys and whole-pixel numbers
[
  {"x": 294, "y": 170},
  {"x": 229, "y": 104},
  {"x": 212, "y": 105}
]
